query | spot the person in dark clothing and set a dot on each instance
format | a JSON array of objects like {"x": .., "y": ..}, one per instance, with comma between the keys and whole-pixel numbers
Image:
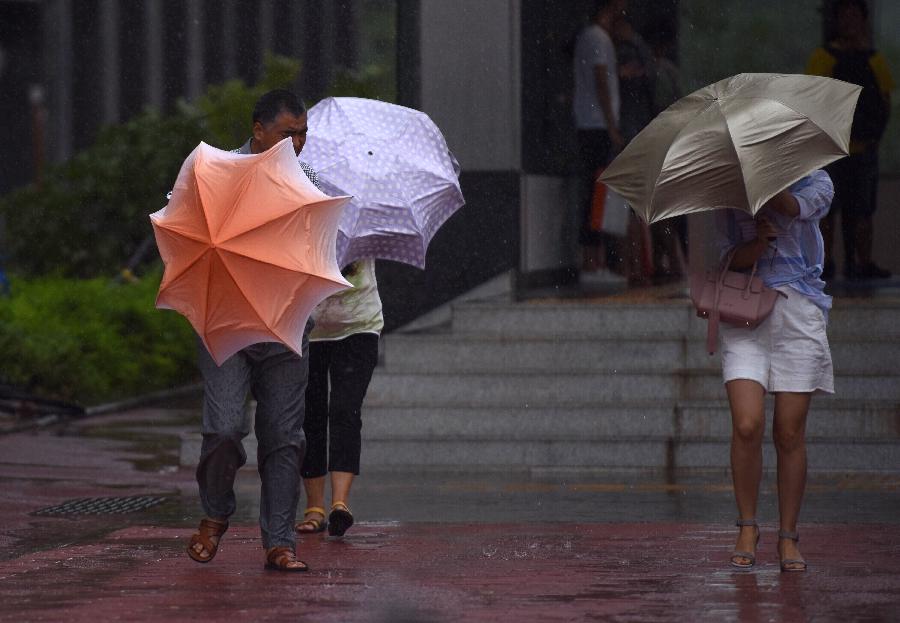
[
  {"x": 595, "y": 107},
  {"x": 637, "y": 75},
  {"x": 849, "y": 56}
]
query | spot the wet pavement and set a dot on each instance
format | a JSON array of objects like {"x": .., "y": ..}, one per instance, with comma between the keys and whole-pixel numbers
[{"x": 429, "y": 546}]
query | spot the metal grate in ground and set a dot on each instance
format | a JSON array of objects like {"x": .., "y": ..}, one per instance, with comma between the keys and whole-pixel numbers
[{"x": 102, "y": 506}]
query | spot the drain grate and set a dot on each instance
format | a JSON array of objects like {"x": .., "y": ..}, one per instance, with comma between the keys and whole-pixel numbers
[{"x": 102, "y": 506}]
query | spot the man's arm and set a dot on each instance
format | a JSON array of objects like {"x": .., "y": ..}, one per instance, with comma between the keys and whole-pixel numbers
[{"x": 606, "y": 106}]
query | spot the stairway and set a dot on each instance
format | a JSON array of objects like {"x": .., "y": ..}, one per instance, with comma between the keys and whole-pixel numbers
[{"x": 598, "y": 384}]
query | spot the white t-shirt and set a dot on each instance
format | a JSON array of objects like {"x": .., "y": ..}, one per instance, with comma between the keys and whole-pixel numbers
[
  {"x": 355, "y": 310},
  {"x": 594, "y": 47}
]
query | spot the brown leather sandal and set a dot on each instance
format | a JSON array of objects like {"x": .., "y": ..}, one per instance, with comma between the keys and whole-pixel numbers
[
  {"x": 209, "y": 529},
  {"x": 284, "y": 559}
]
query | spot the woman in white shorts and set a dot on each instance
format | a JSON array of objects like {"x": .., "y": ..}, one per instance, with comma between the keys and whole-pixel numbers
[{"x": 787, "y": 354}]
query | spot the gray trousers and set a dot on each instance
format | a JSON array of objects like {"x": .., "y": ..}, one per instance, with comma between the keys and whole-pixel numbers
[{"x": 277, "y": 378}]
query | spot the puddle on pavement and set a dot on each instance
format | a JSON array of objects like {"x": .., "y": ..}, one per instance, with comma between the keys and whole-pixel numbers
[{"x": 155, "y": 442}]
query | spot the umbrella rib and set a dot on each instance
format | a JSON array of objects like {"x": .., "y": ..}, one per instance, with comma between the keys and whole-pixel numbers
[
  {"x": 240, "y": 289},
  {"x": 189, "y": 266},
  {"x": 406, "y": 199},
  {"x": 267, "y": 263},
  {"x": 791, "y": 108},
  {"x": 250, "y": 173},
  {"x": 736, "y": 156},
  {"x": 672, "y": 142}
]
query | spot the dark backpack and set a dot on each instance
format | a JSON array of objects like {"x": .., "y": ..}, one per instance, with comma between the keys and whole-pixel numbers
[{"x": 871, "y": 114}]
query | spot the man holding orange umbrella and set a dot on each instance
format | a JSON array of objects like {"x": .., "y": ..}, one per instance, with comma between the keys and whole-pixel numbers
[{"x": 248, "y": 241}]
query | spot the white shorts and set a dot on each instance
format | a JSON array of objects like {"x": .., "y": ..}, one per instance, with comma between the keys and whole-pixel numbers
[{"x": 788, "y": 352}]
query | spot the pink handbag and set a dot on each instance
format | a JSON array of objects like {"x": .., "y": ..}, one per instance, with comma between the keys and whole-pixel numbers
[{"x": 736, "y": 298}]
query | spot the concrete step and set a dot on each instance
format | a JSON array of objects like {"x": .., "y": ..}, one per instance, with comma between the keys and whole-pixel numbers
[
  {"x": 525, "y": 389},
  {"x": 838, "y": 420},
  {"x": 592, "y": 452},
  {"x": 618, "y": 453},
  {"x": 850, "y": 317},
  {"x": 449, "y": 352},
  {"x": 549, "y": 319}
]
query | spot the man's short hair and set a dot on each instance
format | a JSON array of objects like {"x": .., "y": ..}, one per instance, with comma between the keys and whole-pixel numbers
[{"x": 274, "y": 102}]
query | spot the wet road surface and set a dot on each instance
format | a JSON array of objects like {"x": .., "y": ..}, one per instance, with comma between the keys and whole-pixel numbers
[{"x": 428, "y": 546}]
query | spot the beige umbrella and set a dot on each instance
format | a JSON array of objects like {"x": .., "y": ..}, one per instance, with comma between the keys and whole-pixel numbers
[{"x": 734, "y": 144}]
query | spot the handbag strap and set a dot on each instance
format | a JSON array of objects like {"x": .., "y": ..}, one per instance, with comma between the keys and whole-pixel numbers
[{"x": 712, "y": 327}]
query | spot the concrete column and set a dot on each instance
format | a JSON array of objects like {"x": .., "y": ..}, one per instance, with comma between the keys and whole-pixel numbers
[
  {"x": 409, "y": 29},
  {"x": 195, "y": 59},
  {"x": 472, "y": 90},
  {"x": 58, "y": 56},
  {"x": 229, "y": 36},
  {"x": 266, "y": 35},
  {"x": 109, "y": 59},
  {"x": 297, "y": 15},
  {"x": 154, "y": 93}
]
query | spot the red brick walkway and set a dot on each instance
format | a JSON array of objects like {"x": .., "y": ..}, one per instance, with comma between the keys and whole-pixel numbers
[
  {"x": 453, "y": 572},
  {"x": 513, "y": 566}
]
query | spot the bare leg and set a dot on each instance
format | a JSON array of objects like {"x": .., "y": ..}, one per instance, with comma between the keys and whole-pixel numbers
[
  {"x": 748, "y": 422},
  {"x": 340, "y": 486},
  {"x": 788, "y": 432},
  {"x": 315, "y": 497}
]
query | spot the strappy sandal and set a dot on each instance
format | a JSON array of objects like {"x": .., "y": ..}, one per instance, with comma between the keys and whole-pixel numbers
[
  {"x": 284, "y": 559},
  {"x": 786, "y": 563},
  {"x": 312, "y": 525},
  {"x": 208, "y": 529},
  {"x": 750, "y": 556},
  {"x": 340, "y": 519}
]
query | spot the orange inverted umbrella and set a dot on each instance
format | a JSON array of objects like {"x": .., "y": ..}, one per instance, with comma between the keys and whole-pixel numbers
[{"x": 249, "y": 248}]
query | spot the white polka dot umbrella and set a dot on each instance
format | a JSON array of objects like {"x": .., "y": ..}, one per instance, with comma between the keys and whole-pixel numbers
[{"x": 395, "y": 163}]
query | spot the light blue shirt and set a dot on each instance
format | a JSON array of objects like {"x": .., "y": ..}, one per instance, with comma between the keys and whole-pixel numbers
[{"x": 795, "y": 258}]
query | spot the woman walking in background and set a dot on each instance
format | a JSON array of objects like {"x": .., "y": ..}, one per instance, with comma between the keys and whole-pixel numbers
[
  {"x": 343, "y": 352},
  {"x": 787, "y": 354}
]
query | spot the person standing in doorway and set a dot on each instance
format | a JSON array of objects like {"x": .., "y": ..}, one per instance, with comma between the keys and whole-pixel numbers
[
  {"x": 849, "y": 56},
  {"x": 276, "y": 377},
  {"x": 342, "y": 356},
  {"x": 596, "y": 109}
]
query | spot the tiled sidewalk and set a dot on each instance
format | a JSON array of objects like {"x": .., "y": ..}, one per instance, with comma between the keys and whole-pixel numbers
[
  {"x": 455, "y": 572},
  {"x": 429, "y": 547}
]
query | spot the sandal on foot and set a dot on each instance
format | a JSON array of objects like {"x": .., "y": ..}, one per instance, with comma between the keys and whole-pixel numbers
[
  {"x": 284, "y": 559},
  {"x": 790, "y": 564},
  {"x": 209, "y": 529},
  {"x": 750, "y": 556},
  {"x": 340, "y": 519},
  {"x": 311, "y": 525}
]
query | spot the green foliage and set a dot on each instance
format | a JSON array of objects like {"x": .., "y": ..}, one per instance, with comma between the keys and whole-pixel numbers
[
  {"x": 372, "y": 81},
  {"x": 225, "y": 109},
  {"x": 92, "y": 340},
  {"x": 91, "y": 213}
]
